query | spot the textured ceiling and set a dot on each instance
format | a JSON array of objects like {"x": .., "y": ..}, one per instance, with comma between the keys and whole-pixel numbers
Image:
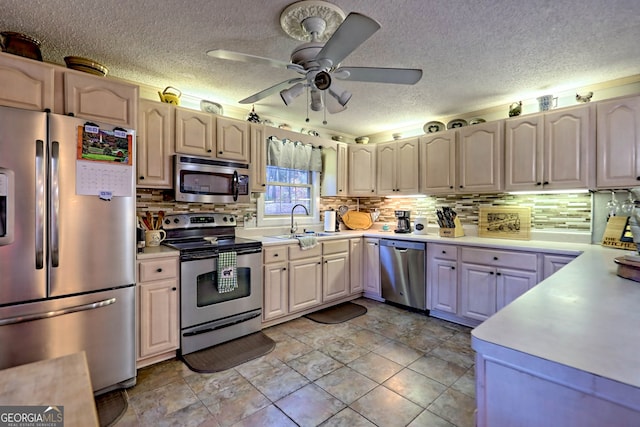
[{"x": 475, "y": 54}]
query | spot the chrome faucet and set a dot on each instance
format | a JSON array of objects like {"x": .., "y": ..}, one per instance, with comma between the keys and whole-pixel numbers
[{"x": 294, "y": 228}]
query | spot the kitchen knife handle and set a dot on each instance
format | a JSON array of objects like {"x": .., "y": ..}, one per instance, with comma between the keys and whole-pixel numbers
[
  {"x": 40, "y": 204},
  {"x": 55, "y": 204}
]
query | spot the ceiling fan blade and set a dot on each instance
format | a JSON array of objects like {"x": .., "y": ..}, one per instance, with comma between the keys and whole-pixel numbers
[
  {"x": 270, "y": 91},
  {"x": 354, "y": 30},
  {"x": 404, "y": 76},
  {"x": 244, "y": 57}
]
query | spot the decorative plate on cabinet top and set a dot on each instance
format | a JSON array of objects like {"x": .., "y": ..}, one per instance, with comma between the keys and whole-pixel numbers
[
  {"x": 87, "y": 65},
  {"x": 211, "y": 107},
  {"x": 433, "y": 127},
  {"x": 456, "y": 123}
]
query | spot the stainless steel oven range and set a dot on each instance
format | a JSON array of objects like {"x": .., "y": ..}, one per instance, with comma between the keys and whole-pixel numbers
[{"x": 210, "y": 313}]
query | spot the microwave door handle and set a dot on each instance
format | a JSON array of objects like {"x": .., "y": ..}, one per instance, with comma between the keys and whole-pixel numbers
[{"x": 235, "y": 186}]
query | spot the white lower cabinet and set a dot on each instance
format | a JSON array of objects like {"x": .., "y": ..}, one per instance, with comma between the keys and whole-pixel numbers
[
  {"x": 335, "y": 270},
  {"x": 356, "y": 282},
  {"x": 467, "y": 284},
  {"x": 443, "y": 277},
  {"x": 371, "y": 268},
  {"x": 553, "y": 263},
  {"x": 158, "y": 310},
  {"x": 491, "y": 279}
]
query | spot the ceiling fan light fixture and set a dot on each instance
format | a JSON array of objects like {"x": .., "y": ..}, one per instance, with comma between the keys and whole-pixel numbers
[
  {"x": 341, "y": 95},
  {"x": 288, "y": 95},
  {"x": 316, "y": 100}
]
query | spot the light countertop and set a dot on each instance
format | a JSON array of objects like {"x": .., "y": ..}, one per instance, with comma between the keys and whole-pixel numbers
[
  {"x": 584, "y": 316},
  {"x": 157, "y": 252},
  {"x": 62, "y": 381}
]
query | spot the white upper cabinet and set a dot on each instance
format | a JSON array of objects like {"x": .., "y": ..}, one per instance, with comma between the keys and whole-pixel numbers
[
  {"x": 258, "y": 165},
  {"x": 195, "y": 132},
  {"x": 524, "y": 150},
  {"x": 155, "y": 145},
  {"x": 618, "y": 129},
  {"x": 550, "y": 151},
  {"x": 362, "y": 170},
  {"x": 96, "y": 98},
  {"x": 480, "y": 154},
  {"x": 232, "y": 139},
  {"x": 397, "y": 167},
  {"x": 569, "y": 148},
  {"x": 334, "y": 169},
  {"x": 438, "y": 162},
  {"x": 26, "y": 83}
]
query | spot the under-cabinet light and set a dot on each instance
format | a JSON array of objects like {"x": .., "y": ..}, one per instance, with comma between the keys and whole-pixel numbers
[{"x": 549, "y": 192}]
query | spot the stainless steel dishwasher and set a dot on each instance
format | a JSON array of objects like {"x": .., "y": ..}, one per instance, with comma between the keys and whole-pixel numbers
[{"x": 402, "y": 272}]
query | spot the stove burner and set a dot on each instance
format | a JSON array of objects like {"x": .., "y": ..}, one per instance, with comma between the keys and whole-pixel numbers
[{"x": 188, "y": 233}]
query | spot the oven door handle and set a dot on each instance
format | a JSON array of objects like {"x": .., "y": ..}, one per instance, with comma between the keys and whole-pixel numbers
[{"x": 235, "y": 184}]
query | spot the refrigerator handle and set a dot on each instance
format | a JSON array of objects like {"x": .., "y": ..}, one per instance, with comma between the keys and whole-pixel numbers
[
  {"x": 55, "y": 203},
  {"x": 40, "y": 203},
  {"x": 61, "y": 312}
]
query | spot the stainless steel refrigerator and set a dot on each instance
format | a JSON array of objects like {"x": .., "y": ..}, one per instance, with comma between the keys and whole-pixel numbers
[{"x": 67, "y": 258}]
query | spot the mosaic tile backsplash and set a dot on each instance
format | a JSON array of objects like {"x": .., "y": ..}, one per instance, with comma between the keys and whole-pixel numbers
[{"x": 549, "y": 211}]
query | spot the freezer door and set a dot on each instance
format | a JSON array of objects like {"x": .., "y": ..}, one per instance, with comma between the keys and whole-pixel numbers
[
  {"x": 92, "y": 241},
  {"x": 23, "y": 167},
  {"x": 102, "y": 324}
]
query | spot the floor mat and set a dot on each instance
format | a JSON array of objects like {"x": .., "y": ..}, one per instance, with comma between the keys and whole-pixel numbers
[
  {"x": 338, "y": 313},
  {"x": 111, "y": 407},
  {"x": 229, "y": 354}
]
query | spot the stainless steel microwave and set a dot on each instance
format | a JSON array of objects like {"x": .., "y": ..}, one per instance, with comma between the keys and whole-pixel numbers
[{"x": 210, "y": 181}]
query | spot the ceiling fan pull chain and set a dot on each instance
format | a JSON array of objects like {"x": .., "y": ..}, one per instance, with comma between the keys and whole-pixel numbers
[
  {"x": 307, "y": 119},
  {"x": 324, "y": 102}
]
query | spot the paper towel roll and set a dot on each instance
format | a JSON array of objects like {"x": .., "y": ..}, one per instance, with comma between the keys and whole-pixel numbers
[{"x": 329, "y": 221}]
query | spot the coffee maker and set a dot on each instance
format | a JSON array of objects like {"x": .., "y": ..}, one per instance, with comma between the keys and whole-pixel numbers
[{"x": 404, "y": 221}]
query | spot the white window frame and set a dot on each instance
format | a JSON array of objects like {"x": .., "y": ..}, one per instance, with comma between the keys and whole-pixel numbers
[{"x": 285, "y": 220}]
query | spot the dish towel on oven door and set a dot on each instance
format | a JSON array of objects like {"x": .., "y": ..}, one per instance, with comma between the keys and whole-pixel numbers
[{"x": 227, "y": 272}]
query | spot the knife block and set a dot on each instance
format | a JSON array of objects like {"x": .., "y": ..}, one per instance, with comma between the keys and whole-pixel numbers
[{"x": 453, "y": 232}]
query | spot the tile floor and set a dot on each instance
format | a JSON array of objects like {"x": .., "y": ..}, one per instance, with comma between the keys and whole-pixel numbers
[{"x": 389, "y": 367}]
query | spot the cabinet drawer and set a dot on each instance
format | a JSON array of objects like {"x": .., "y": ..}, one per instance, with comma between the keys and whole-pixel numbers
[
  {"x": 275, "y": 254},
  {"x": 335, "y": 247},
  {"x": 498, "y": 258},
  {"x": 156, "y": 269},
  {"x": 296, "y": 253},
  {"x": 449, "y": 252}
]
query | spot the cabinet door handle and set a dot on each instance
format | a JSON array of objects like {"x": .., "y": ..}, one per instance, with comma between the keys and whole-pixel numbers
[
  {"x": 220, "y": 152},
  {"x": 264, "y": 185},
  {"x": 320, "y": 263},
  {"x": 453, "y": 268},
  {"x": 284, "y": 268},
  {"x": 444, "y": 252},
  {"x": 498, "y": 274},
  {"x": 174, "y": 289},
  {"x": 546, "y": 183},
  {"x": 159, "y": 270},
  {"x": 275, "y": 255},
  {"x": 491, "y": 272},
  {"x": 495, "y": 258},
  {"x": 208, "y": 151},
  {"x": 142, "y": 177}
]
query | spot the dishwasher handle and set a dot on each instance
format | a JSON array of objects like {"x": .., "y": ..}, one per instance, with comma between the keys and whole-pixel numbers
[{"x": 403, "y": 244}]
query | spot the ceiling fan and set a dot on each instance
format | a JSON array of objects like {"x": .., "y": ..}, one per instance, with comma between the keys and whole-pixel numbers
[{"x": 329, "y": 38}]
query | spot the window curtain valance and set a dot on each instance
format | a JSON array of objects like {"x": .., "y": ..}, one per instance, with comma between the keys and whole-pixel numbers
[{"x": 285, "y": 153}]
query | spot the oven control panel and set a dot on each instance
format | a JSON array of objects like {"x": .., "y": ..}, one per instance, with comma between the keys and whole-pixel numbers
[{"x": 199, "y": 220}]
